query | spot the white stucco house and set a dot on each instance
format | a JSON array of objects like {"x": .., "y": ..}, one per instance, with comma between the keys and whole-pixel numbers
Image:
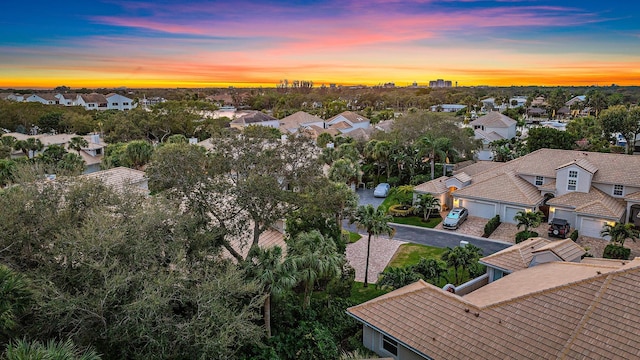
[
  {"x": 93, "y": 101},
  {"x": 47, "y": 99},
  {"x": 587, "y": 189},
  {"x": 347, "y": 122},
  {"x": 119, "y": 102},
  {"x": 492, "y": 127},
  {"x": 67, "y": 99}
]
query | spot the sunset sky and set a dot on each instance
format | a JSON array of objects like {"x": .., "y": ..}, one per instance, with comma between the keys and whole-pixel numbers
[{"x": 165, "y": 43}]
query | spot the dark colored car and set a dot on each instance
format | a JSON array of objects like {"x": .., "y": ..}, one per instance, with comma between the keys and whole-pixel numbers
[
  {"x": 559, "y": 228},
  {"x": 455, "y": 218}
]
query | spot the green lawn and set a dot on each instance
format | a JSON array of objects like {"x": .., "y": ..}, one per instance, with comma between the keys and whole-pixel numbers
[
  {"x": 360, "y": 294},
  {"x": 410, "y": 254},
  {"x": 354, "y": 236},
  {"x": 417, "y": 221}
]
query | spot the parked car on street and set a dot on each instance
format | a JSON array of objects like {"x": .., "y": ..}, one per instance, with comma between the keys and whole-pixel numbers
[
  {"x": 559, "y": 228},
  {"x": 455, "y": 218},
  {"x": 382, "y": 190}
]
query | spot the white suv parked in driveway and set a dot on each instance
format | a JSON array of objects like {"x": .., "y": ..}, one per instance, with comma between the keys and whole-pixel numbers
[{"x": 455, "y": 218}]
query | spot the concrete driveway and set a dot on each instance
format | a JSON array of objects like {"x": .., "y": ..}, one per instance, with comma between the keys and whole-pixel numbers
[{"x": 366, "y": 197}]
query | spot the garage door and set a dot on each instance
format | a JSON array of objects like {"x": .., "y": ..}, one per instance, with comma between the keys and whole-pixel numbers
[
  {"x": 483, "y": 210},
  {"x": 509, "y": 213},
  {"x": 570, "y": 216},
  {"x": 591, "y": 227}
]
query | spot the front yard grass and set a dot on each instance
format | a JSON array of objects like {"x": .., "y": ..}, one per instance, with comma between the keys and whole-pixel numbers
[
  {"x": 360, "y": 294},
  {"x": 417, "y": 221},
  {"x": 410, "y": 254}
]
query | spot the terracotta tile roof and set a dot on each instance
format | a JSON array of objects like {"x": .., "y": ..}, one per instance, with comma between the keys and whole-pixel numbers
[
  {"x": 340, "y": 125},
  {"x": 354, "y": 118},
  {"x": 566, "y": 249},
  {"x": 119, "y": 177},
  {"x": 384, "y": 125},
  {"x": 612, "y": 168},
  {"x": 88, "y": 159},
  {"x": 251, "y": 117},
  {"x": 489, "y": 136},
  {"x": 268, "y": 239},
  {"x": 360, "y": 134},
  {"x": 505, "y": 187},
  {"x": 295, "y": 120},
  {"x": 462, "y": 176},
  {"x": 516, "y": 257},
  {"x": 93, "y": 98},
  {"x": 633, "y": 197},
  {"x": 494, "y": 119},
  {"x": 477, "y": 167},
  {"x": 435, "y": 186},
  {"x": 595, "y": 202},
  {"x": 554, "y": 310},
  {"x": 583, "y": 163},
  {"x": 550, "y": 186}
]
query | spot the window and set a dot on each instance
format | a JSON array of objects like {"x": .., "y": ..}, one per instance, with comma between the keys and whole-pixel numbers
[
  {"x": 539, "y": 180},
  {"x": 125, "y": 103},
  {"x": 390, "y": 345},
  {"x": 572, "y": 185},
  {"x": 114, "y": 104},
  {"x": 573, "y": 174},
  {"x": 497, "y": 274},
  {"x": 618, "y": 190}
]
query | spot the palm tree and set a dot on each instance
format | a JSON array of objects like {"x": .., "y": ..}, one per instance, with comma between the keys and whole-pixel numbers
[
  {"x": 8, "y": 141},
  {"x": 138, "y": 153},
  {"x": 374, "y": 222},
  {"x": 22, "y": 349},
  {"x": 396, "y": 277},
  {"x": 432, "y": 270},
  {"x": 77, "y": 143},
  {"x": 344, "y": 171},
  {"x": 7, "y": 171},
  {"x": 454, "y": 258},
  {"x": 275, "y": 275},
  {"x": 462, "y": 258},
  {"x": 426, "y": 203},
  {"x": 435, "y": 147},
  {"x": 382, "y": 153},
  {"x": 34, "y": 145},
  {"x": 620, "y": 232},
  {"x": 528, "y": 219},
  {"x": 315, "y": 258},
  {"x": 14, "y": 298}
]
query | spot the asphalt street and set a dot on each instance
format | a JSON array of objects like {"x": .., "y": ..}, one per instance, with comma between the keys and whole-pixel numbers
[{"x": 431, "y": 237}]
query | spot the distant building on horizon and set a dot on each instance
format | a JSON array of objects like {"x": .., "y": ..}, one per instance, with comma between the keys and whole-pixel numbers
[{"x": 440, "y": 83}]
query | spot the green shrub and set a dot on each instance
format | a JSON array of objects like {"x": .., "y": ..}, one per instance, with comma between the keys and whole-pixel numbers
[
  {"x": 613, "y": 251},
  {"x": 574, "y": 235},
  {"x": 524, "y": 235},
  {"x": 491, "y": 226}
]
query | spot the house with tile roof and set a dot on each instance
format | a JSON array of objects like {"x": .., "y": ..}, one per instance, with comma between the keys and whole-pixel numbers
[
  {"x": 93, "y": 101},
  {"x": 294, "y": 122},
  {"x": 92, "y": 154},
  {"x": 123, "y": 179},
  {"x": 348, "y": 121},
  {"x": 67, "y": 99},
  {"x": 555, "y": 310},
  {"x": 587, "y": 189},
  {"x": 119, "y": 102},
  {"x": 252, "y": 117},
  {"x": 529, "y": 253},
  {"x": 492, "y": 127},
  {"x": 47, "y": 99}
]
